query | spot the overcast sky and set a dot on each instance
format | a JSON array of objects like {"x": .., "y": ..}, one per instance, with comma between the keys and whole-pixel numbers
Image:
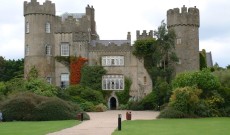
[{"x": 114, "y": 18}]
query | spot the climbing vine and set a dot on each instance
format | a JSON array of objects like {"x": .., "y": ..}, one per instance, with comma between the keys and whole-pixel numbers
[{"x": 76, "y": 64}]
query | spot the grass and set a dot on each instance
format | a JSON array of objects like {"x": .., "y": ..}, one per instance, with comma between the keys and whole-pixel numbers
[
  {"x": 203, "y": 126},
  {"x": 34, "y": 128}
]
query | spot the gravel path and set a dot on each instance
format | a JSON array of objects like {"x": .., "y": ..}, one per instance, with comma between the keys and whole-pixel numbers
[{"x": 104, "y": 123}]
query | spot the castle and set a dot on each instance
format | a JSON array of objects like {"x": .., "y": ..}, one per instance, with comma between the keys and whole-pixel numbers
[{"x": 48, "y": 35}]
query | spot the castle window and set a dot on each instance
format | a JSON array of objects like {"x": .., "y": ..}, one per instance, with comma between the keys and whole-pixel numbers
[
  {"x": 49, "y": 80},
  {"x": 178, "y": 41},
  {"x": 27, "y": 49},
  {"x": 64, "y": 49},
  {"x": 113, "y": 82},
  {"x": 27, "y": 27},
  {"x": 145, "y": 80},
  {"x": 48, "y": 50},
  {"x": 47, "y": 28},
  {"x": 64, "y": 80},
  {"x": 112, "y": 61}
]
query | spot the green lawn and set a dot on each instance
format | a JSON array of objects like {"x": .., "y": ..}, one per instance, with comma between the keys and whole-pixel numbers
[
  {"x": 34, "y": 128},
  {"x": 203, "y": 126}
]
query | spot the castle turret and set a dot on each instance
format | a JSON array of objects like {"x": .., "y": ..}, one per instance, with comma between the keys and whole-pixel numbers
[
  {"x": 39, "y": 38},
  {"x": 144, "y": 34},
  {"x": 186, "y": 24},
  {"x": 90, "y": 13}
]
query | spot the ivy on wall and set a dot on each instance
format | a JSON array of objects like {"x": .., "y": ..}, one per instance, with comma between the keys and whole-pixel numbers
[
  {"x": 123, "y": 96},
  {"x": 76, "y": 64}
]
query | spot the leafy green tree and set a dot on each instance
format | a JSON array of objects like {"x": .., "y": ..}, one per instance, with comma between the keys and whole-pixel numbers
[
  {"x": 158, "y": 54},
  {"x": 91, "y": 76},
  {"x": 223, "y": 76},
  {"x": 228, "y": 66},
  {"x": 203, "y": 62},
  {"x": 41, "y": 87},
  {"x": 10, "y": 69},
  {"x": 204, "y": 80}
]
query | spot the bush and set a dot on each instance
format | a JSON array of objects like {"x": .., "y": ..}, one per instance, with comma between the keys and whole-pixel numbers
[
  {"x": 185, "y": 99},
  {"x": 87, "y": 106},
  {"x": 134, "y": 105},
  {"x": 30, "y": 107},
  {"x": 55, "y": 109},
  {"x": 170, "y": 112},
  {"x": 204, "y": 80},
  {"x": 123, "y": 96},
  {"x": 20, "y": 106},
  {"x": 100, "y": 108},
  {"x": 149, "y": 102},
  {"x": 123, "y": 107},
  {"x": 81, "y": 94},
  {"x": 223, "y": 76}
]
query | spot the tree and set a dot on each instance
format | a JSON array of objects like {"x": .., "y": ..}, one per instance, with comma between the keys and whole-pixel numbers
[
  {"x": 203, "y": 80},
  {"x": 91, "y": 76},
  {"x": 10, "y": 69},
  {"x": 158, "y": 54},
  {"x": 203, "y": 62},
  {"x": 228, "y": 66}
]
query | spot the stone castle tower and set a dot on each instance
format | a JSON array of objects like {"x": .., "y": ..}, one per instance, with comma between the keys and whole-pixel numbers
[
  {"x": 186, "y": 24},
  {"x": 39, "y": 37},
  {"x": 46, "y": 34}
]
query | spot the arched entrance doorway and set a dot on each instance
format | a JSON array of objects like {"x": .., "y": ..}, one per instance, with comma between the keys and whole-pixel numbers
[{"x": 113, "y": 103}]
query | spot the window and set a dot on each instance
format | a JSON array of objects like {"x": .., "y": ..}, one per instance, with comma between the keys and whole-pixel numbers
[
  {"x": 178, "y": 41},
  {"x": 112, "y": 61},
  {"x": 48, "y": 50},
  {"x": 27, "y": 50},
  {"x": 145, "y": 80},
  {"x": 113, "y": 82},
  {"x": 64, "y": 49},
  {"x": 49, "y": 80},
  {"x": 64, "y": 80},
  {"x": 47, "y": 28},
  {"x": 27, "y": 27}
]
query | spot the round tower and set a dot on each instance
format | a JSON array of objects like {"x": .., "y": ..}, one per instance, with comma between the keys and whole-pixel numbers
[
  {"x": 39, "y": 38},
  {"x": 186, "y": 24}
]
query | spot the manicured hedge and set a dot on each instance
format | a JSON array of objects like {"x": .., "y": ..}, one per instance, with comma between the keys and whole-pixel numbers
[{"x": 31, "y": 107}]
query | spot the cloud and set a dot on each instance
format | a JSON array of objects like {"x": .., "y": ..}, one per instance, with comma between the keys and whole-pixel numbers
[{"x": 219, "y": 48}]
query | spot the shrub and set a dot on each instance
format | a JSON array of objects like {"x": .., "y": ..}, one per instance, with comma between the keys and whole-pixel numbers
[
  {"x": 54, "y": 109},
  {"x": 41, "y": 87},
  {"x": 134, "y": 105},
  {"x": 81, "y": 93},
  {"x": 20, "y": 106},
  {"x": 223, "y": 76},
  {"x": 29, "y": 107},
  {"x": 123, "y": 106},
  {"x": 87, "y": 106},
  {"x": 123, "y": 96},
  {"x": 149, "y": 102},
  {"x": 100, "y": 108},
  {"x": 170, "y": 112},
  {"x": 185, "y": 99},
  {"x": 202, "y": 79}
]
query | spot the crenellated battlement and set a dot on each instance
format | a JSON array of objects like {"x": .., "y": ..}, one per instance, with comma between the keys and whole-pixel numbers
[
  {"x": 190, "y": 16},
  {"x": 34, "y": 7},
  {"x": 144, "y": 34}
]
